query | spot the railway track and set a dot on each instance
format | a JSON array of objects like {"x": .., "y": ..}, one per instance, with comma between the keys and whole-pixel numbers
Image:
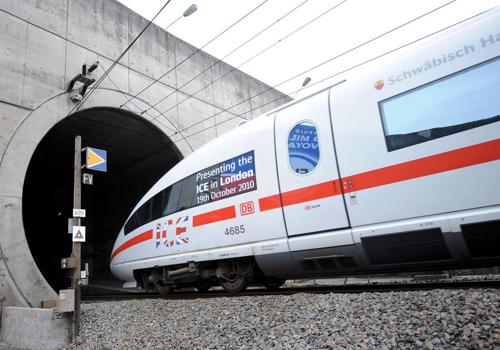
[{"x": 350, "y": 288}]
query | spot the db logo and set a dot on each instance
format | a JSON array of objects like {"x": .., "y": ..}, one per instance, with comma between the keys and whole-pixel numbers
[{"x": 247, "y": 208}]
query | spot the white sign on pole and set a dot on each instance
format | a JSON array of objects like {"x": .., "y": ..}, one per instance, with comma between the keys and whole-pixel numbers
[
  {"x": 79, "y": 213},
  {"x": 78, "y": 233}
]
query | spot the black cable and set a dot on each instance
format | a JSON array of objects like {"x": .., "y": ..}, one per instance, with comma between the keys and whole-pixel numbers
[
  {"x": 100, "y": 80},
  {"x": 343, "y": 71},
  {"x": 196, "y": 51},
  {"x": 221, "y": 59},
  {"x": 319, "y": 65}
]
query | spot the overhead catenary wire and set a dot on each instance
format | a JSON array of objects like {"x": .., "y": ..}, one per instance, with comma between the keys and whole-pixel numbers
[
  {"x": 260, "y": 52},
  {"x": 226, "y": 56},
  {"x": 115, "y": 62},
  {"x": 311, "y": 69},
  {"x": 197, "y": 50}
]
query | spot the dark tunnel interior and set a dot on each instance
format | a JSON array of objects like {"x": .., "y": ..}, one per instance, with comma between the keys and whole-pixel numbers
[{"x": 138, "y": 155}]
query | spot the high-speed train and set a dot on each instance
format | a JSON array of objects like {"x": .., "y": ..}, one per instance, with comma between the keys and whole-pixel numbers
[{"x": 395, "y": 167}]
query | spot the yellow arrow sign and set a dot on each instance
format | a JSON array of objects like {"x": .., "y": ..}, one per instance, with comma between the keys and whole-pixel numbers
[
  {"x": 96, "y": 159},
  {"x": 93, "y": 159}
]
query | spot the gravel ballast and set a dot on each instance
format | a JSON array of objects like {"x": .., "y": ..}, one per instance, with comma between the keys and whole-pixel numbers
[{"x": 437, "y": 319}]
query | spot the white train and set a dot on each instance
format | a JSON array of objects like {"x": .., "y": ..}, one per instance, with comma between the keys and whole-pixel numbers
[{"x": 396, "y": 167}]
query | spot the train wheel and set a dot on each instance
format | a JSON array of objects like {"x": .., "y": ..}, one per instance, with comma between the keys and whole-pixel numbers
[
  {"x": 273, "y": 283},
  {"x": 204, "y": 285},
  {"x": 233, "y": 283},
  {"x": 233, "y": 276},
  {"x": 163, "y": 289}
]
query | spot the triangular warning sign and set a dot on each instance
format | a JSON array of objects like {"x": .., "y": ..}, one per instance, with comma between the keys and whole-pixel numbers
[
  {"x": 78, "y": 233},
  {"x": 93, "y": 158}
]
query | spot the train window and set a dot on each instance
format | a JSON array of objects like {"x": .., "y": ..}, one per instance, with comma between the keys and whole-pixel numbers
[
  {"x": 461, "y": 101},
  {"x": 153, "y": 209},
  {"x": 130, "y": 225},
  {"x": 188, "y": 193},
  {"x": 303, "y": 148},
  {"x": 140, "y": 217},
  {"x": 165, "y": 194},
  {"x": 157, "y": 206}
]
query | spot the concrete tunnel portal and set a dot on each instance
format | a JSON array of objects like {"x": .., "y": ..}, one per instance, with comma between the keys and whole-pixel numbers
[{"x": 138, "y": 155}]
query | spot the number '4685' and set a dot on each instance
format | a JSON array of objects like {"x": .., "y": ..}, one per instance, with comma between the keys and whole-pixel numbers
[{"x": 234, "y": 230}]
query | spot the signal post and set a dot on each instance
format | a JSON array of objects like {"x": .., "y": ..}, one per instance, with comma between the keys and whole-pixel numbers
[{"x": 95, "y": 159}]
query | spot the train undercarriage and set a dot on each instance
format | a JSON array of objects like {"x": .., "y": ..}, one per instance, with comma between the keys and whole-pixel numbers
[{"x": 233, "y": 275}]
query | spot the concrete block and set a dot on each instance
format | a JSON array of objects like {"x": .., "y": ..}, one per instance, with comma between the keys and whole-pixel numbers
[
  {"x": 168, "y": 104},
  {"x": 200, "y": 63},
  {"x": 66, "y": 301},
  {"x": 50, "y": 15},
  {"x": 9, "y": 293},
  {"x": 151, "y": 95},
  {"x": 13, "y": 46},
  {"x": 18, "y": 255},
  {"x": 33, "y": 328},
  {"x": 154, "y": 53},
  {"x": 44, "y": 67},
  {"x": 100, "y": 26},
  {"x": 231, "y": 93},
  {"x": 10, "y": 119}
]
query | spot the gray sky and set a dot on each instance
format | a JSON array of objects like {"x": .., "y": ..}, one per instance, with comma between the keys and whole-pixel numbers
[{"x": 348, "y": 25}]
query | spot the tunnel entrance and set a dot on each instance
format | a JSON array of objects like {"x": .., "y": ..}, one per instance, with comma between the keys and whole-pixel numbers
[{"x": 138, "y": 155}]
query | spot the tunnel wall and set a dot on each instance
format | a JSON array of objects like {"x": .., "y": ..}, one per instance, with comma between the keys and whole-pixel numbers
[{"x": 43, "y": 46}]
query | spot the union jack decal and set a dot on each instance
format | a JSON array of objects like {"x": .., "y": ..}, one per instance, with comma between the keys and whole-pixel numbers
[{"x": 161, "y": 233}]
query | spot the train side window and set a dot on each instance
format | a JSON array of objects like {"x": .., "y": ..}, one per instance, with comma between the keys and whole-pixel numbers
[
  {"x": 458, "y": 102},
  {"x": 188, "y": 193},
  {"x": 165, "y": 195},
  {"x": 303, "y": 148},
  {"x": 157, "y": 206},
  {"x": 173, "y": 199},
  {"x": 130, "y": 225},
  {"x": 140, "y": 217}
]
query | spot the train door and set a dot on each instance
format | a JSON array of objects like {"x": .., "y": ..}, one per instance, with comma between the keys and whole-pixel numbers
[{"x": 311, "y": 192}]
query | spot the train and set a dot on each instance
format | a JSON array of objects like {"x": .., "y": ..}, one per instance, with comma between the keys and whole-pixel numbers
[{"x": 395, "y": 167}]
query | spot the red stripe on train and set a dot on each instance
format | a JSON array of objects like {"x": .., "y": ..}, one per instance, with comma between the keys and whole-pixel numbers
[
  {"x": 214, "y": 216},
  {"x": 301, "y": 195},
  {"x": 145, "y": 236},
  {"x": 438, "y": 163}
]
